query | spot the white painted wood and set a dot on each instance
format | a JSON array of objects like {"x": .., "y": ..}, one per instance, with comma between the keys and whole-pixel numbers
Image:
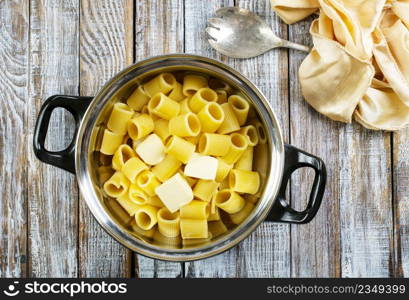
[
  {"x": 14, "y": 18},
  {"x": 158, "y": 30},
  {"x": 365, "y": 203},
  {"x": 52, "y": 192},
  {"x": 266, "y": 253},
  {"x": 315, "y": 246},
  {"x": 106, "y": 43},
  {"x": 401, "y": 201}
]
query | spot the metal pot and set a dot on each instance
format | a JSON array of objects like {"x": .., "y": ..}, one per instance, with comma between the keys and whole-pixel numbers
[{"x": 274, "y": 160}]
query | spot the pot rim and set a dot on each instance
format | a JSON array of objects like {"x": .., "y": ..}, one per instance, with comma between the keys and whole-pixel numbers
[{"x": 271, "y": 186}]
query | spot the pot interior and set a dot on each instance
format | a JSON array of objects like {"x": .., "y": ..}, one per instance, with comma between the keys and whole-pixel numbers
[{"x": 268, "y": 158}]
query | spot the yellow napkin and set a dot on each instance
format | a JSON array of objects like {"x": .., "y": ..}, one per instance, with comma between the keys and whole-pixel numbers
[{"x": 359, "y": 66}]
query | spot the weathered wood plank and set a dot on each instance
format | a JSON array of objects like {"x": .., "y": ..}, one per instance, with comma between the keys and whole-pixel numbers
[
  {"x": 52, "y": 192},
  {"x": 158, "y": 30},
  {"x": 14, "y": 33},
  {"x": 315, "y": 246},
  {"x": 106, "y": 47},
  {"x": 266, "y": 253},
  {"x": 401, "y": 201},
  {"x": 365, "y": 203}
]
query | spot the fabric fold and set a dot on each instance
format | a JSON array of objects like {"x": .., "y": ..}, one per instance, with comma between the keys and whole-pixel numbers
[{"x": 359, "y": 65}]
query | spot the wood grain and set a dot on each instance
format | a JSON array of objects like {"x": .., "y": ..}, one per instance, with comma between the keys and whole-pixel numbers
[
  {"x": 106, "y": 44},
  {"x": 266, "y": 253},
  {"x": 315, "y": 246},
  {"x": 365, "y": 203},
  {"x": 158, "y": 30},
  {"x": 53, "y": 194},
  {"x": 14, "y": 32},
  {"x": 401, "y": 201}
]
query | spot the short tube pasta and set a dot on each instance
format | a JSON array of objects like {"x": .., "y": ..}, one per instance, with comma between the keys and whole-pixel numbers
[
  {"x": 205, "y": 189},
  {"x": 217, "y": 84},
  {"x": 118, "y": 120},
  {"x": 184, "y": 106},
  {"x": 214, "y": 144},
  {"x": 195, "y": 210},
  {"x": 223, "y": 170},
  {"x": 130, "y": 207},
  {"x": 192, "y": 83},
  {"x": 194, "y": 229},
  {"x": 121, "y": 156},
  {"x": 146, "y": 217},
  {"x": 240, "y": 216},
  {"x": 221, "y": 96},
  {"x": 117, "y": 185},
  {"x": 163, "y": 83},
  {"x": 148, "y": 182},
  {"x": 229, "y": 201},
  {"x": 177, "y": 92},
  {"x": 168, "y": 223},
  {"x": 163, "y": 106},
  {"x": 217, "y": 228},
  {"x": 180, "y": 149},
  {"x": 246, "y": 160},
  {"x": 237, "y": 148},
  {"x": 175, "y": 162},
  {"x": 200, "y": 98},
  {"x": 250, "y": 132},
  {"x": 185, "y": 125},
  {"x": 161, "y": 128},
  {"x": 230, "y": 122},
  {"x": 140, "y": 126},
  {"x": 138, "y": 99},
  {"x": 133, "y": 167},
  {"x": 240, "y": 107},
  {"x": 214, "y": 216},
  {"x": 110, "y": 142},
  {"x": 166, "y": 168},
  {"x": 244, "y": 181},
  {"x": 211, "y": 116},
  {"x": 137, "y": 195},
  {"x": 154, "y": 201}
]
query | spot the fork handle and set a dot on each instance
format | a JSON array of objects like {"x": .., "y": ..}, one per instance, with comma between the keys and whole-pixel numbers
[{"x": 288, "y": 44}]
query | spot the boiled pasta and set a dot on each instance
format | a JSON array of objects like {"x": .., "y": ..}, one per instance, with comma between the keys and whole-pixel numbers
[
  {"x": 168, "y": 223},
  {"x": 192, "y": 83},
  {"x": 180, "y": 148},
  {"x": 211, "y": 116},
  {"x": 240, "y": 107},
  {"x": 177, "y": 159},
  {"x": 138, "y": 99},
  {"x": 214, "y": 144},
  {"x": 117, "y": 185},
  {"x": 110, "y": 142},
  {"x": 140, "y": 126},
  {"x": 163, "y": 83},
  {"x": 121, "y": 156},
  {"x": 118, "y": 120},
  {"x": 243, "y": 181},
  {"x": 201, "y": 98},
  {"x": 185, "y": 125}
]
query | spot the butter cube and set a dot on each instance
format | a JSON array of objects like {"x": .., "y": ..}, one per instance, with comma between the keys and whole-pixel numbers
[
  {"x": 202, "y": 166},
  {"x": 174, "y": 193},
  {"x": 151, "y": 150}
]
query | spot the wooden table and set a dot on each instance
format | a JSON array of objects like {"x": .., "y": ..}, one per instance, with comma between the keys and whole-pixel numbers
[{"x": 73, "y": 47}]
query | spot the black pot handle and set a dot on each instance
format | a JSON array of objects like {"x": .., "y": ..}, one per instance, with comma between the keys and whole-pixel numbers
[
  {"x": 64, "y": 159},
  {"x": 281, "y": 210}
]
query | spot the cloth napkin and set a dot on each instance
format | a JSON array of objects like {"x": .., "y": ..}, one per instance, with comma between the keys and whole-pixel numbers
[{"x": 359, "y": 66}]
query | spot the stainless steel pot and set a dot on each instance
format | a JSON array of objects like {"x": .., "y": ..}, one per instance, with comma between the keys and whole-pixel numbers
[{"x": 274, "y": 160}]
